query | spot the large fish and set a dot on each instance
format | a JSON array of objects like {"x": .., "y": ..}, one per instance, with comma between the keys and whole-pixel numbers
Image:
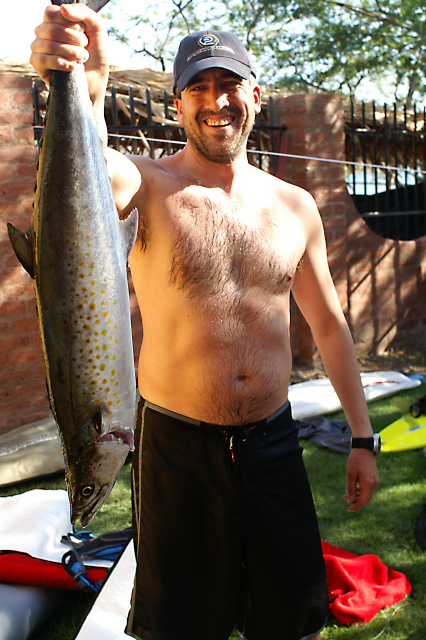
[{"x": 76, "y": 251}]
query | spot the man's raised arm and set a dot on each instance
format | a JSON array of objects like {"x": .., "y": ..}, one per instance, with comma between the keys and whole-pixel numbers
[{"x": 72, "y": 34}]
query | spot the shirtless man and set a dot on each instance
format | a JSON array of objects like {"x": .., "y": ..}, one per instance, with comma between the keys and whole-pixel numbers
[{"x": 225, "y": 530}]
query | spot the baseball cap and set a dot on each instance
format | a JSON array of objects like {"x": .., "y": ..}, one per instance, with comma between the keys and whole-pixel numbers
[{"x": 208, "y": 49}]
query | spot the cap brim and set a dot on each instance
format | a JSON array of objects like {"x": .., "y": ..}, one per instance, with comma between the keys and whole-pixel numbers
[{"x": 241, "y": 69}]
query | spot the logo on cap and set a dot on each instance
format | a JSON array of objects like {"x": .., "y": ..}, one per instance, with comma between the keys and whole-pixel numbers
[{"x": 208, "y": 40}]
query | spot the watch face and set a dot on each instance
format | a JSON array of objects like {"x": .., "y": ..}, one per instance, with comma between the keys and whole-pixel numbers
[{"x": 377, "y": 443}]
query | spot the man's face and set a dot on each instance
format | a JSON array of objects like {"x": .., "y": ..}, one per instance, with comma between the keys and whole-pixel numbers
[{"x": 217, "y": 109}]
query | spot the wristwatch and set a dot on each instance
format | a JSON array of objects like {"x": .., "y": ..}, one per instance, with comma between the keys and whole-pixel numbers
[{"x": 372, "y": 444}]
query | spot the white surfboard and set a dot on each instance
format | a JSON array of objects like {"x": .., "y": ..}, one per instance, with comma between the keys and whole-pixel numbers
[{"x": 317, "y": 397}]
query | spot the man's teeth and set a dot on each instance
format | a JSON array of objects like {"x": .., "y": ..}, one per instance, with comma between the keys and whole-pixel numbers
[{"x": 218, "y": 123}]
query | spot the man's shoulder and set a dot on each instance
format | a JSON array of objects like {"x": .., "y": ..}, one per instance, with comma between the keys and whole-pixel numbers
[{"x": 291, "y": 193}]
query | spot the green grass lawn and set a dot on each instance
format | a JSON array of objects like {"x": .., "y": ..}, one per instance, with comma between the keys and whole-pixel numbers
[{"x": 384, "y": 528}]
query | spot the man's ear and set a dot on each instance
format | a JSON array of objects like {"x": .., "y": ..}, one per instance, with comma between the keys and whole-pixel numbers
[
  {"x": 256, "y": 97},
  {"x": 178, "y": 105}
]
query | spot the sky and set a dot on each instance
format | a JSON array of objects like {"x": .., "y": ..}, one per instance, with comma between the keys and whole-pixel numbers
[{"x": 17, "y": 32}]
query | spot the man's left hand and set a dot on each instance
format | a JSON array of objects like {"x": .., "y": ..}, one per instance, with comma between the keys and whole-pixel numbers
[{"x": 363, "y": 478}]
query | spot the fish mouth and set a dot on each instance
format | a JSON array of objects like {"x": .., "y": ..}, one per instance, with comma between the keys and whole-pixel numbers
[
  {"x": 92, "y": 508},
  {"x": 120, "y": 436}
]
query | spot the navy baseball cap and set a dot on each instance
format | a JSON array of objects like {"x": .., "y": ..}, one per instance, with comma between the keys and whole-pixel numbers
[{"x": 209, "y": 49}]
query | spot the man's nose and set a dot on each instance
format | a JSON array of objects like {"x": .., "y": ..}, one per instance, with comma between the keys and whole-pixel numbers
[{"x": 217, "y": 97}]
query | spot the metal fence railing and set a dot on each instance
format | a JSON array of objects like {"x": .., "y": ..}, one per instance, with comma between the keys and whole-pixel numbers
[{"x": 386, "y": 178}]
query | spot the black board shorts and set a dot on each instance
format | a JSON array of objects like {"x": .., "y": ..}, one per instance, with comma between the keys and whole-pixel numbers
[{"x": 225, "y": 532}]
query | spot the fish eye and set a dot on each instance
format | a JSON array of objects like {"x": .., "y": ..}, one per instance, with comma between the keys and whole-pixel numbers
[{"x": 87, "y": 490}]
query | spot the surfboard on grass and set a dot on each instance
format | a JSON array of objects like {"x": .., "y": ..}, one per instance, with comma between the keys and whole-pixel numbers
[
  {"x": 317, "y": 397},
  {"x": 404, "y": 434}
]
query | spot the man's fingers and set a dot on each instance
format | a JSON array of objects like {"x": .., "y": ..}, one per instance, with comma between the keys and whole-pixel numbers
[{"x": 362, "y": 478}]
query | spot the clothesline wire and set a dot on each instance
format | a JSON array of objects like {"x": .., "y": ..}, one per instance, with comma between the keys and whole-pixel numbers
[{"x": 284, "y": 155}]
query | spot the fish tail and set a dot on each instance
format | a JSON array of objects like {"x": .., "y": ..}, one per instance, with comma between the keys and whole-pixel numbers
[{"x": 96, "y": 5}]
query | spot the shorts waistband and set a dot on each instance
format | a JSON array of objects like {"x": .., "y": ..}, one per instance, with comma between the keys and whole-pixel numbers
[{"x": 219, "y": 429}]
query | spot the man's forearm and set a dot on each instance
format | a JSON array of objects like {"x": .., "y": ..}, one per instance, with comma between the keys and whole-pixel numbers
[{"x": 340, "y": 362}]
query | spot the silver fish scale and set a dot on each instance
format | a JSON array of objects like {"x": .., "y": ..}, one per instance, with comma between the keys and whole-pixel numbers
[{"x": 95, "y": 313}]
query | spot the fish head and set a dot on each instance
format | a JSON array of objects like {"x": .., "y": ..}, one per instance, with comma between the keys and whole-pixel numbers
[{"x": 91, "y": 477}]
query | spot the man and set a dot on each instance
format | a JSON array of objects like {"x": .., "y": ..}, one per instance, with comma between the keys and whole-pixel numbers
[{"x": 225, "y": 530}]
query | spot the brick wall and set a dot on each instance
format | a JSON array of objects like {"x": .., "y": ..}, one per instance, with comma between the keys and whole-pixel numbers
[
  {"x": 381, "y": 283},
  {"x": 21, "y": 372}
]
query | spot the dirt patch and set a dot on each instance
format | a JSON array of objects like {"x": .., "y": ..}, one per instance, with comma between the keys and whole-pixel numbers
[{"x": 402, "y": 361}]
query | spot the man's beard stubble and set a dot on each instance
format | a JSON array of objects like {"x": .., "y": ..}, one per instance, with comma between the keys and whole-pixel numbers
[{"x": 229, "y": 148}]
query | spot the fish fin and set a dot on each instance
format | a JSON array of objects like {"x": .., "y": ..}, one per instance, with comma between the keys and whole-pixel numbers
[
  {"x": 96, "y": 5},
  {"x": 129, "y": 231},
  {"x": 23, "y": 246}
]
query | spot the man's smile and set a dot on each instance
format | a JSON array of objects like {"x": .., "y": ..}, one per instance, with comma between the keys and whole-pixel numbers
[{"x": 214, "y": 121}]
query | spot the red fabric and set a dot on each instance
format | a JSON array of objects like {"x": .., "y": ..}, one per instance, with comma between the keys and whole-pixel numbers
[
  {"x": 21, "y": 568},
  {"x": 360, "y": 586}
]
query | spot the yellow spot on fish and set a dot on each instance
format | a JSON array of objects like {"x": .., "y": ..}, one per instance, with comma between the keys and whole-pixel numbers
[
  {"x": 107, "y": 389},
  {"x": 105, "y": 313},
  {"x": 109, "y": 403},
  {"x": 93, "y": 383},
  {"x": 92, "y": 305},
  {"x": 104, "y": 332},
  {"x": 102, "y": 367},
  {"x": 104, "y": 347}
]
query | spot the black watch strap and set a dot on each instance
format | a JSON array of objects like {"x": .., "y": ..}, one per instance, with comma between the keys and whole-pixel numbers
[{"x": 372, "y": 444}]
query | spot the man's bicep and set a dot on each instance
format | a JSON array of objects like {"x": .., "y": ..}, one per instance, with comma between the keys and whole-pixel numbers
[
  {"x": 313, "y": 287},
  {"x": 125, "y": 177}
]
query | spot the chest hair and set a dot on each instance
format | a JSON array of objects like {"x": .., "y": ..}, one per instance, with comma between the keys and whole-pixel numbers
[{"x": 222, "y": 246}]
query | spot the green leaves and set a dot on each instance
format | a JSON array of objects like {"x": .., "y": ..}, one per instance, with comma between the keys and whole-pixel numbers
[{"x": 306, "y": 45}]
